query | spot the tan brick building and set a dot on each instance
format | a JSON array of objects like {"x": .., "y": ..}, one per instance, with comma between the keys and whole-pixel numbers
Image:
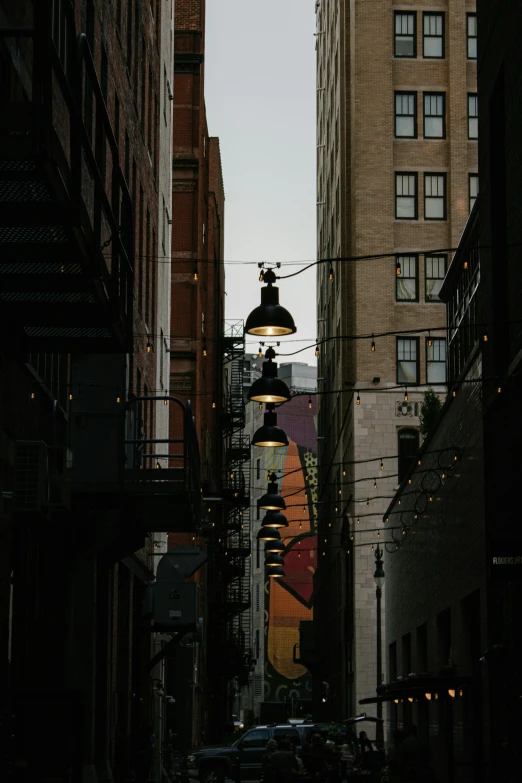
[{"x": 396, "y": 176}]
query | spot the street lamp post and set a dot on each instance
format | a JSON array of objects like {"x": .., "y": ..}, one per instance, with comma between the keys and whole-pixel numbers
[{"x": 379, "y": 581}]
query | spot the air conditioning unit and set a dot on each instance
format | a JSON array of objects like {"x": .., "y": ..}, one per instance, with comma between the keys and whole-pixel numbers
[{"x": 31, "y": 483}]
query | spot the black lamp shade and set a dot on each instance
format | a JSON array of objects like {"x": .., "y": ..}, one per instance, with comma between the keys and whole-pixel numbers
[
  {"x": 272, "y": 560},
  {"x": 269, "y": 388},
  {"x": 272, "y": 500},
  {"x": 270, "y": 434},
  {"x": 268, "y": 534},
  {"x": 270, "y": 319},
  {"x": 274, "y": 546},
  {"x": 275, "y": 519},
  {"x": 275, "y": 573}
]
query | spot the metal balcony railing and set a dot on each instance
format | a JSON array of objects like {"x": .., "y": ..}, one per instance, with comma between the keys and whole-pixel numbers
[{"x": 170, "y": 498}]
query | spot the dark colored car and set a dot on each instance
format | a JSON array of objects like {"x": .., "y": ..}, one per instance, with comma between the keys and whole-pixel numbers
[{"x": 214, "y": 764}]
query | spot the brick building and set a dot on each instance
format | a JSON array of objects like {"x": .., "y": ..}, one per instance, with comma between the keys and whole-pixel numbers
[
  {"x": 85, "y": 173},
  {"x": 453, "y": 586},
  {"x": 396, "y": 176},
  {"x": 197, "y": 318}
]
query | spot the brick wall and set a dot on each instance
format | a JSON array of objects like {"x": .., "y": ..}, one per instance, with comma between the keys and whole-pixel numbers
[{"x": 356, "y": 168}]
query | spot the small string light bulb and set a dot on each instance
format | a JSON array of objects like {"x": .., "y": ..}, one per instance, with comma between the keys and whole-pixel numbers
[
  {"x": 261, "y": 276},
  {"x": 118, "y": 398},
  {"x": 260, "y": 406},
  {"x": 368, "y": 503},
  {"x": 499, "y": 390},
  {"x": 260, "y": 353},
  {"x": 454, "y": 393},
  {"x": 165, "y": 402},
  {"x": 195, "y": 276},
  {"x": 382, "y": 466},
  {"x": 344, "y": 472},
  {"x": 485, "y": 337},
  {"x": 70, "y": 395},
  {"x": 33, "y": 396},
  {"x": 358, "y": 400},
  {"x": 317, "y": 350},
  {"x": 406, "y": 395},
  {"x": 310, "y": 402},
  {"x": 214, "y": 404},
  {"x": 331, "y": 273},
  {"x": 430, "y": 341},
  {"x": 419, "y": 462},
  {"x": 358, "y": 521},
  {"x": 149, "y": 347},
  {"x": 158, "y": 466},
  {"x": 375, "y": 483},
  {"x": 373, "y": 344},
  {"x": 204, "y": 347},
  {"x": 398, "y": 267},
  {"x": 465, "y": 264}
]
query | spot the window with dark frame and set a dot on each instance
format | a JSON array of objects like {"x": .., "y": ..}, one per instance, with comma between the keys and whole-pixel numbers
[
  {"x": 433, "y": 36},
  {"x": 406, "y": 196},
  {"x": 407, "y": 449},
  {"x": 434, "y": 115},
  {"x": 434, "y": 197},
  {"x": 405, "y": 115},
  {"x": 473, "y": 189},
  {"x": 405, "y": 34},
  {"x": 472, "y": 36},
  {"x": 408, "y": 360},
  {"x": 258, "y": 469},
  {"x": 407, "y": 281},
  {"x": 435, "y": 360},
  {"x": 472, "y": 116},
  {"x": 434, "y": 274}
]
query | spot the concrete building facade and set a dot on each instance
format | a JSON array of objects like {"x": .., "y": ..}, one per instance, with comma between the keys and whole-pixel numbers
[{"x": 396, "y": 177}]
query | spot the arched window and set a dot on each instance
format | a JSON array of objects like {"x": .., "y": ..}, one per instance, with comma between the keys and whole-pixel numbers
[{"x": 408, "y": 448}]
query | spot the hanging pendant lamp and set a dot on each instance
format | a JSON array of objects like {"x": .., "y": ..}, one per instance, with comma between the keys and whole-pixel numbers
[
  {"x": 274, "y": 546},
  {"x": 272, "y": 560},
  {"x": 272, "y": 500},
  {"x": 270, "y": 434},
  {"x": 270, "y": 319},
  {"x": 269, "y": 388},
  {"x": 268, "y": 534},
  {"x": 274, "y": 519},
  {"x": 275, "y": 573}
]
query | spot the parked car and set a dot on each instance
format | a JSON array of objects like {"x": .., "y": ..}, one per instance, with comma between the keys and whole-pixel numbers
[{"x": 215, "y": 763}]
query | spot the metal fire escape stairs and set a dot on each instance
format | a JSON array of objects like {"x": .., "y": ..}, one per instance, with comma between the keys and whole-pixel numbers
[{"x": 235, "y": 533}]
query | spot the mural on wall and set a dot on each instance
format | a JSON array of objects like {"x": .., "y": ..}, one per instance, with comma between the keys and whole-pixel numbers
[{"x": 289, "y": 600}]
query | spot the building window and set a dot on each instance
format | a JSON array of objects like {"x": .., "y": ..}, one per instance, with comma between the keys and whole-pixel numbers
[
  {"x": 406, "y": 196},
  {"x": 408, "y": 448},
  {"x": 405, "y": 38},
  {"x": 407, "y": 288},
  {"x": 408, "y": 360},
  {"x": 258, "y": 643},
  {"x": 258, "y": 550},
  {"x": 405, "y": 115},
  {"x": 258, "y": 602},
  {"x": 434, "y": 114},
  {"x": 433, "y": 38},
  {"x": 473, "y": 183},
  {"x": 435, "y": 271},
  {"x": 472, "y": 36},
  {"x": 472, "y": 116},
  {"x": 435, "y": 197},
  {"x": 258, "y": 469},
  {"x": 435, "y": 360}
]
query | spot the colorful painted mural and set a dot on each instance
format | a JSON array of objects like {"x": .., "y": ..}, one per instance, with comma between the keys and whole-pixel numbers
[{"x": 289, "y": 600}]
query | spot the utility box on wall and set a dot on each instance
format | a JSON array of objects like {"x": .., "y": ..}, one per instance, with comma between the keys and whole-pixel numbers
[{"x": 175, "y": 604}]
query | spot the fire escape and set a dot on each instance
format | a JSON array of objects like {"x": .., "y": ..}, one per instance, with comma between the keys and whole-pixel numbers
[
  {"x": 67, "y": 286},
  {"x": 235, "y": 538}
]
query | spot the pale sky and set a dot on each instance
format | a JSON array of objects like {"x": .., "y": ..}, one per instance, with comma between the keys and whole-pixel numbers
[{"x": 260, "y": 96}]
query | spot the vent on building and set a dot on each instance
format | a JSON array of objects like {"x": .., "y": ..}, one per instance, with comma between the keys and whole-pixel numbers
[
  {"x": 258, "y": 686},
  {"x": 30, "y": 483}
]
